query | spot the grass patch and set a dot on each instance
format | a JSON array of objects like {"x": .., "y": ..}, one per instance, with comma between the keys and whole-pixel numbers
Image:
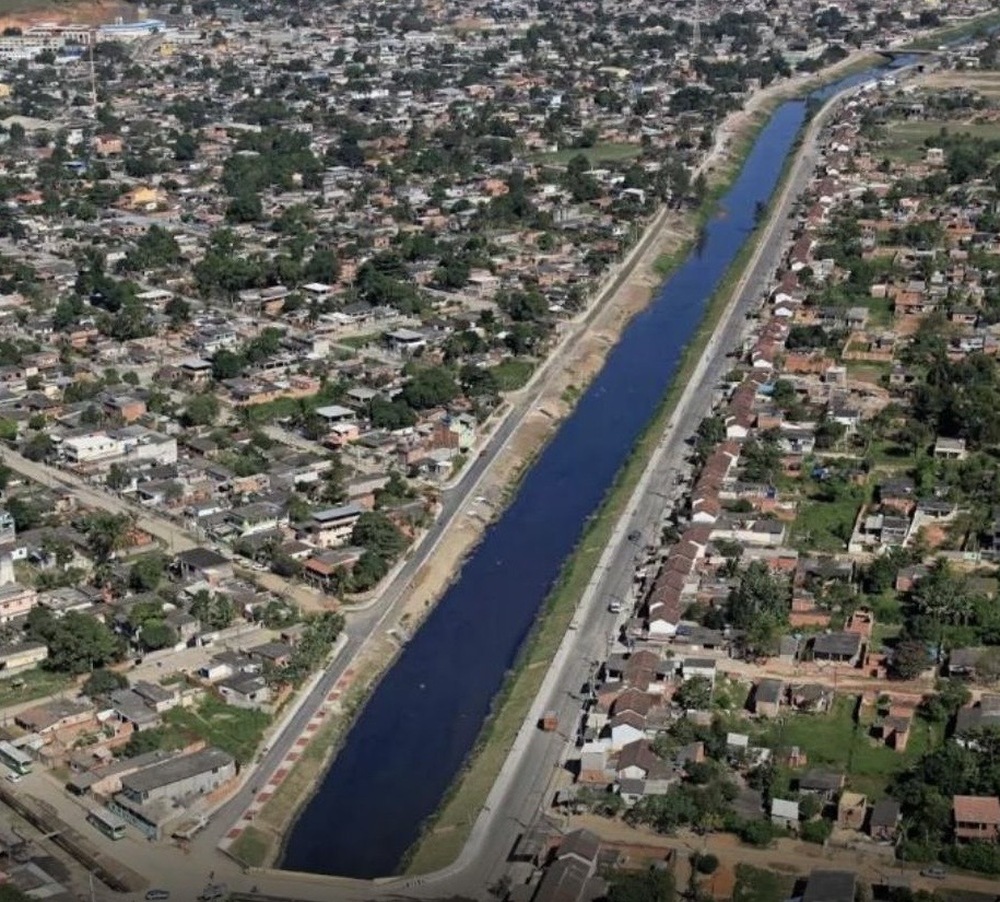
[
  {"x": 907, "y": 141},
  {"x": 32, "y": 684},
  {"x": 513, "y": 374},
  {"x": 839, "y": 742},
  {"x": 360, "y": 341},
  {"x": 758, "y": 885},
  {"x": 234, "y": 730},
  {"x": 252, "y": 847},
  {"x": 608, "y": 152},
  {"x": 822, "y": 524}
]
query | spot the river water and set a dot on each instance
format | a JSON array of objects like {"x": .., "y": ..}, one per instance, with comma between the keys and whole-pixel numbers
[{"x": 422, "y": 720}]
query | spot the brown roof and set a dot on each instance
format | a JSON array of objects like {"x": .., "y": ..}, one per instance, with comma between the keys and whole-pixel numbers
[{"x": 977, "y": 809}]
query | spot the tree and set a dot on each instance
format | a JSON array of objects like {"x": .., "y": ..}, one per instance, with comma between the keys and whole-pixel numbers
[
  {"x": 227, "y": 365},
  {"x": 156, "y": 634},
  {"x": 375, "y": 532},
  {"x": 654, "y": 885},
  {"x": 178, "y": 309},
  {"x": 245, "y": 207},
  {"x": 707, "y": 863},
  {"x": 107, "y": 534},
  {"x": 118, "y": 477},
  {"x": 909, "y": 659},
  {"x": 103, "y": 682},
  {"x": 758, "y": 593},
  {"x": 214, "y": 611},
  {"x": 430, "y": 387},
  {"x": 79, "y": 643},
  {"x": 202, "y": 410},
  {"x": 694, "y": 694},
  {"x": 147, "y": 572}
]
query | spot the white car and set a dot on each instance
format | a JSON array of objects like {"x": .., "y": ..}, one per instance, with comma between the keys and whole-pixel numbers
[{"x": 14, "y": 778}]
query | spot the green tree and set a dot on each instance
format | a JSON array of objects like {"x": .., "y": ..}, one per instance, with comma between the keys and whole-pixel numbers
[
  {"x": 147, "y": 571},
  {"x": 103, "y": 682},
  {"x": 245, "y": 207},
  {"x": 156, "y": 634},
  {"x": 910, "y": 659},
  {"x": 654, "y": 885},
  {"x": 694, "y": 694},
  {"x": 375, "y": 532},
  {"x": 107, "y": 534},
  {"x": 202, "y": 410},
  {"x": 214, "y": 611},
  {"x": 78, "y": 643},
  {"x": 432, "y": 386}
]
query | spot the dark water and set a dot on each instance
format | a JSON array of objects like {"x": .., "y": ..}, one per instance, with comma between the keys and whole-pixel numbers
[{"x": 419, "y": 725}]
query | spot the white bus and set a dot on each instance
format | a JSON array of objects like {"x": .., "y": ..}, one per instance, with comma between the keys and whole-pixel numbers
[
  {"x": 109, "y": 824},
  {"x": 18, "y": 761}
]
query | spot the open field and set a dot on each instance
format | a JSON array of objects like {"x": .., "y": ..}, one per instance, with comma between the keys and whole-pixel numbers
[
  {"x": 837, "y": 741},
  {"x": 985, "y": 82},
  {"x": 92, "y": 12},
  {"x": 32, "y": 684},
  {"x": 599, "y": 153},
  {"x": 234, "y": 730},
  {"x": 907, "y": 141}
]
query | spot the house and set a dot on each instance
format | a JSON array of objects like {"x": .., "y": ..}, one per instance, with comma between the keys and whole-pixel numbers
[
  {"x": 785, "y": 813},
  {"x": 16, "y": 601},
  {"x": 883, "y": 823},
  {"x": 767, "y": 698},
  {"x": 332, "y": 527},
  {"x": 180, "y": 777},
  {"x": 841, "y": 648},
  {"x": 950, "y": 448},
  {"x": 244, "y": 690},
  {"x": 572, "y": 877},
  {"x": 977, "y": 818},
  {"x": 21, "y": 656},
  {"x": 830, "y": 886},
  {"x": 964, "y": 661},
  {"x": 825, "y": 784},
  {"x": 204, "y": 564},
  {"x": 810, "y": 697}
]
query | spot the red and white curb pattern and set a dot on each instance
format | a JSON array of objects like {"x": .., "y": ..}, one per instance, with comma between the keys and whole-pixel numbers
[{"x": 330, "y": 703}]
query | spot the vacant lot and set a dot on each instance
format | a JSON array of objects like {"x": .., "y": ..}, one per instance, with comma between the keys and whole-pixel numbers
[
  {"x": 907, "y": 141},
  {"x": 233, "y": 730},
  {"x": 824, "y": 523},
  {"x": 838, "y": 742},
  {"x": 599, "y": 153},
  {"x": 985, "y": 82},
  {"x": 32, "y": 684}
]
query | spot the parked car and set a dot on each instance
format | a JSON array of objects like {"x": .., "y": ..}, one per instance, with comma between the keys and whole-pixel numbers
[
  {"x": 14, "y": 778},
  {"x": 157, "y": 895},
  {"x": 935, "y": 871}
]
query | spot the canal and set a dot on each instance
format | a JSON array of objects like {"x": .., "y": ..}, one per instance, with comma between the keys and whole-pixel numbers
[{"x": 419, "y": 725}]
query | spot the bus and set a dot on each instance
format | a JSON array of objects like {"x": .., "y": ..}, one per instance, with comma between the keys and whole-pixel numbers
[
  {"x": 109, "y": 824},
  {"x": 15, "y": 759}
]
